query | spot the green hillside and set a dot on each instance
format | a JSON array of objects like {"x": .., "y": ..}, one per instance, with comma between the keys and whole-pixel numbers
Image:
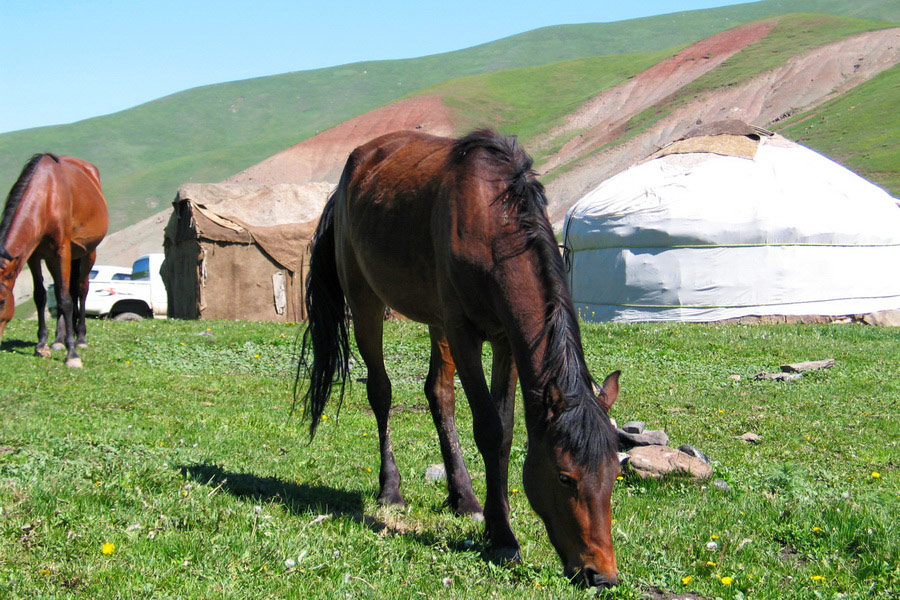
[
  {"x": 858, "y": 129},
  {"x": 794, "y": 34},
  {"x": 208, "y": 133},
  {"x": 529, "y": 101}
]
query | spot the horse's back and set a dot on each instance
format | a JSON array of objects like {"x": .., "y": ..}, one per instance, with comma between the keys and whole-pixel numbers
[{"x": 388, "y": 220}]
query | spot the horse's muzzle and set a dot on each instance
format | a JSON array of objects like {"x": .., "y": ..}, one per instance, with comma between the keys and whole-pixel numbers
[{"x": 588, "y": 577}]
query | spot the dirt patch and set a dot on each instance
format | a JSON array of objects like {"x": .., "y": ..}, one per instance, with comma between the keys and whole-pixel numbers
[
  {"x": 655, "y": 593},
  {"x": 322, "y": 157},
  {"x": 603, "y": 117},
  {"x": 802, "y": 83}
]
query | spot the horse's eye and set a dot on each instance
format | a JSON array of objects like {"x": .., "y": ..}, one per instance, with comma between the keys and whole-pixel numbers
[{"x": 567, "y": 480}]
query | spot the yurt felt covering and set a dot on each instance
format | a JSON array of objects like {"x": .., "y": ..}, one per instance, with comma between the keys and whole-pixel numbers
[{"x": 701, "y": 232}]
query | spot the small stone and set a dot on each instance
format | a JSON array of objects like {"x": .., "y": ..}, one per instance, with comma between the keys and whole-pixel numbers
[
  {"x": 712, "y": 546},
  {"x": 721, "y": 484},
  {"x": 655, "y": 437},
  {"x": 633, "y": 427},
  {"x": 290, "y": 563},
  {"x": 735, "y": 377},
  {"x": 750, "y": 437},
  {"x": 435, "y": 472},
  {"x": 814, "y": 365},
  {"x": 695, "y": 452},
  {"x": 764, "y": 376}
]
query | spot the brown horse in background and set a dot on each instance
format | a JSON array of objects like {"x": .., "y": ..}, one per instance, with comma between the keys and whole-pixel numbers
[
  {"x": 55, "y": 212},
  {"x": 454, "y": 234}
]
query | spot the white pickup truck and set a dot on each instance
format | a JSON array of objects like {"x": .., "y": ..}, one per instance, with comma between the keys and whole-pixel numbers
[{"x": 112, "y": 295}]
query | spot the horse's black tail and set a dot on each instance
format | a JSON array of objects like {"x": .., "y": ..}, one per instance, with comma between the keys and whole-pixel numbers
[{"x": 325, "y": 351}]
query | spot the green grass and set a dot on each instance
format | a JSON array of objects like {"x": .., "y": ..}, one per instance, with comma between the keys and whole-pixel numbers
[
  {"x": 208, "y": 133},
  {"x": 857, "y": 129},
  {"x": 175, "y": 444}
]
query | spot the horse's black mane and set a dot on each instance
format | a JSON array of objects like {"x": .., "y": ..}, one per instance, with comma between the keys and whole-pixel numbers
[
  {"x": 583, "y": 428},
  {"x": 15, "y": 196}
]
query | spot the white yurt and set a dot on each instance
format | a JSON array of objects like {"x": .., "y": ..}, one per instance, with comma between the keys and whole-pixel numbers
[{"x": 733, "y": 222}]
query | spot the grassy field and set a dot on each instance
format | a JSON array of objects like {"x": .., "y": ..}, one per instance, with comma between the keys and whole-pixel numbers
[
  {"x": 170, "y": 467},
  {"x": 863, "y": 140},
  {"x": 208, "y": 133}
]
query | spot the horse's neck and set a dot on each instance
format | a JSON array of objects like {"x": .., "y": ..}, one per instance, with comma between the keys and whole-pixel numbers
[{"x": 544, "y": 342}]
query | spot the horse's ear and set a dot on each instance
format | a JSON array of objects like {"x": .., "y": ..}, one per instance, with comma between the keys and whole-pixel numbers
[
  {"x": 609, "y": 391},
  {"x": 554, "y": 401}
]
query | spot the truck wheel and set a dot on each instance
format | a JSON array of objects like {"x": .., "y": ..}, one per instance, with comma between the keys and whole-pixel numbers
[{"x": 127, "y": 316}]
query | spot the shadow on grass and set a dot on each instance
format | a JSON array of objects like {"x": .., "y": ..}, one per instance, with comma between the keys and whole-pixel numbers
[
  {"x": 301, "y": 499},
  {"x": 17, "y": 346},
  {"x": 297, "y": 498}
]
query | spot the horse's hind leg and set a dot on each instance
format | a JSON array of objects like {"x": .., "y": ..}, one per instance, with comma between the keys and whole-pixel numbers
[
  {"x": 368, "y": 328},
  {"x": 40, "y": 301},
  {"x": 81, "y": 278},
  {"x": 441, "y": 400}
]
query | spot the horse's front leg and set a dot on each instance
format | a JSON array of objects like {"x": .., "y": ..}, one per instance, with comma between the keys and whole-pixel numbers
[
  {"x": 442, "y": 401},
  {"x": 492, "y": 424},
  {"x": 40, "y": 301}
]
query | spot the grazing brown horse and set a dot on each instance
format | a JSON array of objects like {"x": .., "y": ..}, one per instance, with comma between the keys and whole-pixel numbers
[
  {"x": 454, "y": 234},
  {"x": 55, "y": 212}
]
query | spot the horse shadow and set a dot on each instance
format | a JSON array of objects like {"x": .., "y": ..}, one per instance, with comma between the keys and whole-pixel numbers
[
  {"x": 296, "y": 498},
  {"x": 16, "y": 346},
  {"x": 302, "y": 499}
]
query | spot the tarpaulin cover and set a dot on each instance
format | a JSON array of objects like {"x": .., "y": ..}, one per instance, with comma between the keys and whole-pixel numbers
[{"x": 240, "y": 251}]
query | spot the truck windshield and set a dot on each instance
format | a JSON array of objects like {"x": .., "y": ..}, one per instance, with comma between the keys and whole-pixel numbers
[{"x": 141, "y": 269}]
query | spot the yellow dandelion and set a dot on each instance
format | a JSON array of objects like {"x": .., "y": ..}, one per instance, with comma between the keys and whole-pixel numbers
[
  {"x": 181, "y": 343},
  {"x": 817, "y": 578},
  {"x": 817, "y": 529},
  {"x": 710, "y": 563},
  {"x": 368, "y": 469},
  {"x": 44, "y": 572},
  {"x": 876, "y": 474},
  {"x": 726, "y": 580},
  {"x": 515, "y": 490},
  {"x": 108, "y": 548},
  {"x": 324, "y": 417},
  {"x": 620, "y": 478},
  {"x": 713, "y": 537},
  {"x": 256, "y": 356},
  {"x": 686, "y": 580}
]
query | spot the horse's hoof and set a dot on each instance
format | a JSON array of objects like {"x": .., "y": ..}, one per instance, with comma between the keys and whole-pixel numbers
[
  {"x": 391, "y": 500},
  {"x": 81, "y": 345},
  {"x": 42, "y": 351},
  {"x": 74, "y": 363},
  {"x": 507, "y": 554},
  {"x": 468, "y": 508},
  {"x": 58, "y": 346}
]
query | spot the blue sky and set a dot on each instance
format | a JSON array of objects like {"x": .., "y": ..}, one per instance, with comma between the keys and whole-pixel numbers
[{"x": 63, "y": 61}]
